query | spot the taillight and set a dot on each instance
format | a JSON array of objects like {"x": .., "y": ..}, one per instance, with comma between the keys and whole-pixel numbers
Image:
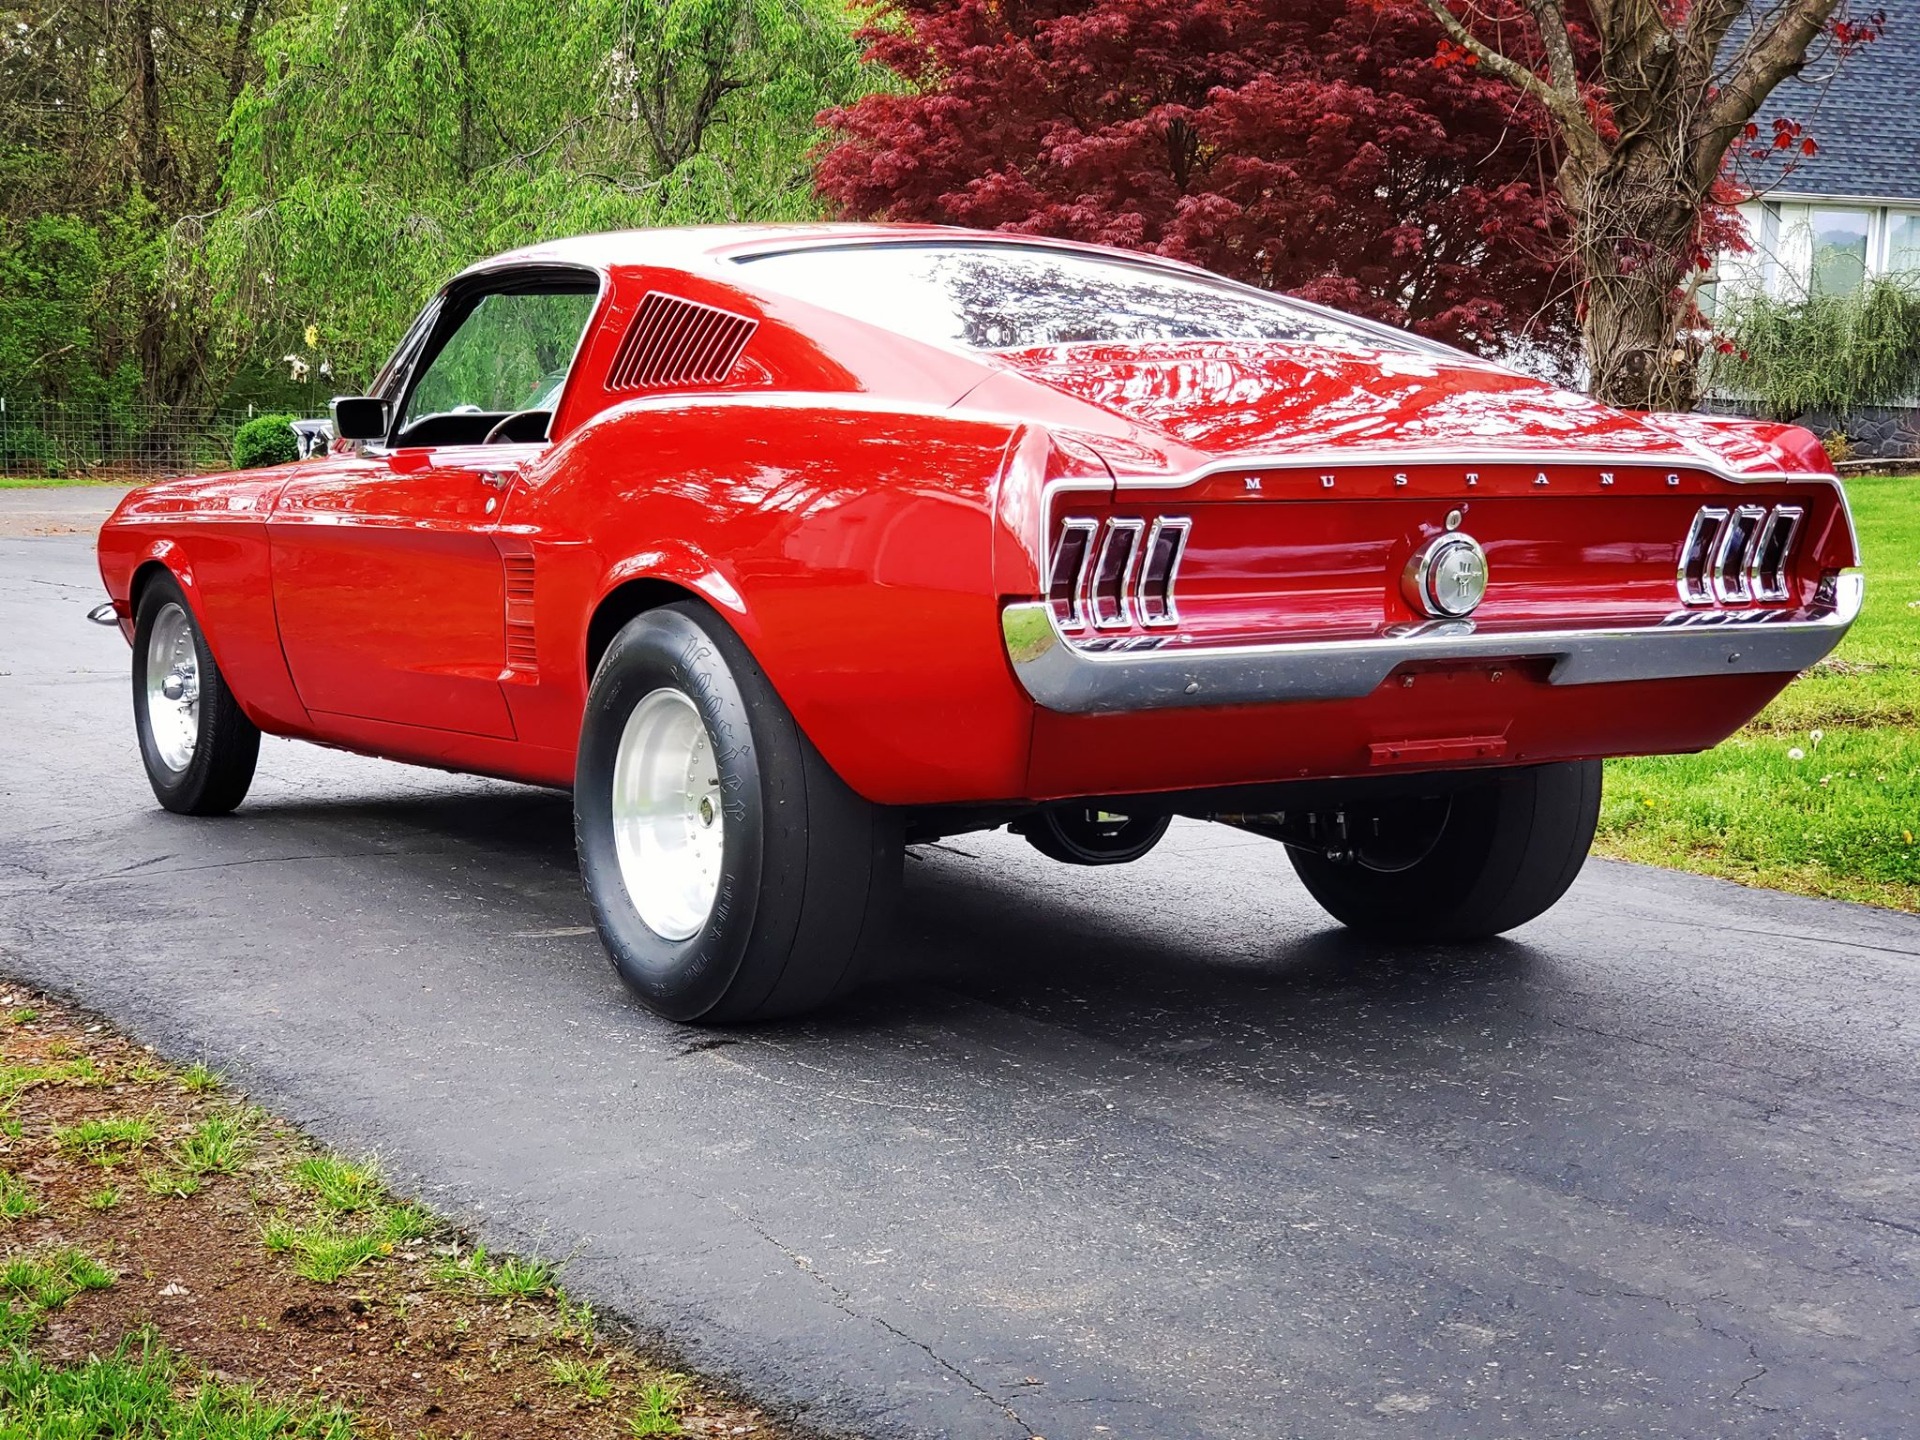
[
  {"x": 1115, "y": 574},
  {"x": 1733, "y": 557}
]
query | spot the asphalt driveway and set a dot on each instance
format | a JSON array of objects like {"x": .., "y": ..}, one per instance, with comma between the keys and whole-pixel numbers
[{"x": 1144, "y": 1151}]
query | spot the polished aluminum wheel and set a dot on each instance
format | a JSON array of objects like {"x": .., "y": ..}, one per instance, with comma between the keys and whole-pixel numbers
[
  {"x": 173, "y": 687},
  {"x": 668, "y": 830}
]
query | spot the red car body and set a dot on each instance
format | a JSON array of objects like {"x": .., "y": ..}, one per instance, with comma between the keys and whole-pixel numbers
[{"x": 880, "y": 519}]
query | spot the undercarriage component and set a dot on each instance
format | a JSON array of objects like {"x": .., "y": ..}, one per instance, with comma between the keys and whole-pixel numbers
[
  {"x": 1081, "y": 835},
  {"x": 1380, "y": 834}
]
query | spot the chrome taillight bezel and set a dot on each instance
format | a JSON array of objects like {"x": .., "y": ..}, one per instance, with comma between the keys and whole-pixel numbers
[
  {"x": 1739, "y": 555},
  {"x": 1118, "y": 573}
]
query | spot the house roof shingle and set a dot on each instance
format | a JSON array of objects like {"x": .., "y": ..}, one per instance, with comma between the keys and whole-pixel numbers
[{"x": 1863, "y": 112}]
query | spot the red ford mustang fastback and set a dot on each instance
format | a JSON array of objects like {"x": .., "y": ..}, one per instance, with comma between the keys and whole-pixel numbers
[{"x": 785, "y": 548}]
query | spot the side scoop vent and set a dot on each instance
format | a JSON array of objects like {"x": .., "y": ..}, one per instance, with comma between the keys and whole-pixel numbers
[
  {"x": 674, "y": 342},
  {"x": 522, "y": 654}
]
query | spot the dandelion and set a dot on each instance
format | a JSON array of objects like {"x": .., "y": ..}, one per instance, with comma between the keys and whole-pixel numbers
[
  {"x": 1796, "y": 753},
  {"x": 312, "y": 337},
  {"x": 1816, "y": 737},
  {"x": 1907, "y": 835}
]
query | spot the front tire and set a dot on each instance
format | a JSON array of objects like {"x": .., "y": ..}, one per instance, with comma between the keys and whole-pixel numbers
[
  {"x": 732, "y": 875},
  {"x": 199, "y": 748},
  {"x": 1507, "y": 851}
]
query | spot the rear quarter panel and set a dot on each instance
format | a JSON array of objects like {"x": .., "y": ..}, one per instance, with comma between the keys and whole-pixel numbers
[{"x": 849, "y": 543}]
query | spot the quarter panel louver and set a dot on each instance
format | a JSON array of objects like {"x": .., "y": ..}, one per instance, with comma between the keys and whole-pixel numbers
[
  {"x": 674, "y": 342},
  {"x": 522, "y": 654}
]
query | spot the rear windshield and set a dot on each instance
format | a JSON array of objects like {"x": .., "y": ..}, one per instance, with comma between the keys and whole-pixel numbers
[{"x": 1012, "y": 297}]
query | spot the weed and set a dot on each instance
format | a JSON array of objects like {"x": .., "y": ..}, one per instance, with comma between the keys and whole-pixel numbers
[
  {"x": 145, "y": 1072},
  {"x": 323, "y": 1252},
  {"x": 660, "y": 1404},
  {"x": 105, "y": 1198},
  {"x": 26, "y": 1015},
  {"x": 34, "y": 1284},
  {"x": 17, "y": 1202},
  {"x": 575, "y": 1322},
  {"x": 326, "y": 1255},
  {"x": 590, "y": 1379},
  {"x": 408, "y": 1222},
  {"x": 170, "y": 1184},
  {"x": 12, "y": 1128},
  {"x": 217, "y": 1145},
  {"x": 512, "y": 1278},
  {"x": 105, "y": 1142},
  {"x": 139, "y": 1390},
  {"x": 340, "y": 1185},
  {"x": 200, "y": 1079}
]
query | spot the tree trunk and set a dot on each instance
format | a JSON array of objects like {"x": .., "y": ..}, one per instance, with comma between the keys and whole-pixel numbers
[{"x": 1634, "y": 222}]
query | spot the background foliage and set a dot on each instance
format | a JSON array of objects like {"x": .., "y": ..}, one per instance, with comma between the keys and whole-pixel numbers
[
  {"x": 1824, "y": 354},
  {"x": 207, "y": 204}
]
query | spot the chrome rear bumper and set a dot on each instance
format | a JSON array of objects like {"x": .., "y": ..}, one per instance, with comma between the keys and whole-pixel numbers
[{"x": 1077, "y": 681}]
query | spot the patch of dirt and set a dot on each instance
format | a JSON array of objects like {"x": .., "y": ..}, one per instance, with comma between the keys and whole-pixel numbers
[{"x": 412, "y": 1350}]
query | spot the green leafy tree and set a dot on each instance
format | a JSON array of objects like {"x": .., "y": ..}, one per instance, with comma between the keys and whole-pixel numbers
[{"x": 390, "y": 142}]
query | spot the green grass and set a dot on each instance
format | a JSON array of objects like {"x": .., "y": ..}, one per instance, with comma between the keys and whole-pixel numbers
[
  {"x": 217, "y": 1145},
  {"x": 17, "y": 1200},
  {"x": 343, "y": 1186},
  {"x": 199, "y": 1079},
  {"x": 141, "y": 1390},
  {"x": 107, "y": 1141},
  {"x": 60, "y": 482},
  {"x": 25, "y": 1016},
  {"x": 33, "y": 1285},
  {"x": 105, "y": 1198},
  {"x": 509, "y": 1279},
  {"x": 1821, "y": 793},
  {"x": 588, "y": 1378},
  {"x": 659, "y": 1410}
]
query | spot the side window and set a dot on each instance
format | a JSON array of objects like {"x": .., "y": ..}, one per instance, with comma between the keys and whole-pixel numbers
[{"x": 509, "y": 353}]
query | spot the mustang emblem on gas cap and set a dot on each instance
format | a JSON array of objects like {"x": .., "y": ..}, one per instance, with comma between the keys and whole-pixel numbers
[{"x": 1446, "y": 577}]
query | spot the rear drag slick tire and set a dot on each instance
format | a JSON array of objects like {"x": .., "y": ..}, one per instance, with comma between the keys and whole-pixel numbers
[
  {"x": 1507, "y": 852},
  {"x": 732, "y": 874}
]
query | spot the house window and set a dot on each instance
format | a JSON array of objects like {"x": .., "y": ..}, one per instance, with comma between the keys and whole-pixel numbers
[
  {"x": 1903, "y": 243},
  {"x": 1839, "y": 250}
]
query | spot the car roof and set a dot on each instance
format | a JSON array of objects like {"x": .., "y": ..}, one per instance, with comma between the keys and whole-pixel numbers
[{"x": 698, "y": 246}]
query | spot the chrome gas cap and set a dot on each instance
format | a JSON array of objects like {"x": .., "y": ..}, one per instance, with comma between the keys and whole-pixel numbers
[{"x": 1447, "y": 577}]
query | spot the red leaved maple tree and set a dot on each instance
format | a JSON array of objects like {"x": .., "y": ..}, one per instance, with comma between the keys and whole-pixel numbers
[{"x": 1343, "y": 150}]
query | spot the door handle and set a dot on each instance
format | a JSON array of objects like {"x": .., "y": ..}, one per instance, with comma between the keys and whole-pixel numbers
[{"x": 498, "y": 479}]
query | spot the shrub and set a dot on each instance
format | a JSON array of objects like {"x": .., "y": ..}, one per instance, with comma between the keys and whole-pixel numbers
[
  {"x": 1829, "y": 354},
  {"x": 265, "y": 440}
]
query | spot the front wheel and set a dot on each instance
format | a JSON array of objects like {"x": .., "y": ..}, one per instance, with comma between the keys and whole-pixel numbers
[
  {"x": 199, "y": 748},
  {"x": 1497, "y": 854},
  {"x": 732, "y": 875}
]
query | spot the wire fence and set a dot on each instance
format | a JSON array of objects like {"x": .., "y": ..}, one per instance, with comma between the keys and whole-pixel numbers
[{"x": 58, "y": 439}]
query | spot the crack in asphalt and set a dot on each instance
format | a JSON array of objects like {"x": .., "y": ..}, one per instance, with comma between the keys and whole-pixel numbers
[{"x": 843, "y": 1302}]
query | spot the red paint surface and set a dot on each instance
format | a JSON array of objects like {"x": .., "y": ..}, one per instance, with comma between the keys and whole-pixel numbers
[{"x": 859, "y": 506}]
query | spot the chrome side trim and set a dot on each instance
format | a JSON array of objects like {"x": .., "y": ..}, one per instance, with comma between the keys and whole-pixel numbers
[
  {"x": 104, "y": 614},
  {"x": 1073, "y": 680}
]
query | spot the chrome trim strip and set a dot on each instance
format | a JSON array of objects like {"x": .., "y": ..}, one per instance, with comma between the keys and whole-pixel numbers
[
  {"x": 104, "y": 614},
  {"x": 1179, "y": 526},
  {"x": 1703, "y": 543},
  {"x": 1123, "y": 531},
  {"x": 1076, "y": 616},
  {"x": 1075, "y": 681},
  {"x": 1777, "y": 587},
  {"x": 1730, "y": 585},
  {"x": 1386, "y": 456}
]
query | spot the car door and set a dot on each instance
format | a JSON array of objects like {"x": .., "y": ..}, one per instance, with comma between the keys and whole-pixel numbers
[{"x": 389, "y": 589}]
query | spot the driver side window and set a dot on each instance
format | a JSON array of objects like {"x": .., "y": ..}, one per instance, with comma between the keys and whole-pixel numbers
[{"x": 509, "y": 353}]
